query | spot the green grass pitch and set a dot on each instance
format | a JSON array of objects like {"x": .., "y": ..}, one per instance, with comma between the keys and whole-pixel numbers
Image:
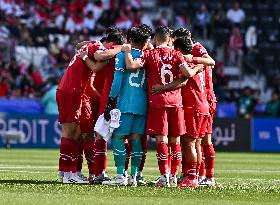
[{"x": 28, "y": 177}]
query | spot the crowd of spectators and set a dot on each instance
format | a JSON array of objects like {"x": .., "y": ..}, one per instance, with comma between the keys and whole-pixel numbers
[{"x": 30, "y": 23}]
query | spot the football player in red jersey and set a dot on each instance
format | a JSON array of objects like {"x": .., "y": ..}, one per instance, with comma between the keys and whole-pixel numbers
[
  {"x": 69, "y": 100},
  {"x": 165, "y": 117},
  {"x": 195, "y": 110},
  {"x": 99, "y": 175},
  {"x": 207, "y": 147},
  {"x": 89, "y": 115}
]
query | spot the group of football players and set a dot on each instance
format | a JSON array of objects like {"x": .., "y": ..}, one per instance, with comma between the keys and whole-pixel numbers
[{"x": 162, "y": 89}]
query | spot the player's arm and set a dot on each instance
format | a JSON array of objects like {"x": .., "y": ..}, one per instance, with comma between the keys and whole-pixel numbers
[
  {"x": 95, "y": 93},
  {"x": 116, "y": 85},
  {"x": 207, "y": 60},
  {"x": 106, "y": 54},
  {"x": 94, "y": 66},
  {"x": 190, "y": 72},
  {"x": 81, "y": 44},
  {"x": 181, "y": 82},
  {"x": 129, "y": 62}
]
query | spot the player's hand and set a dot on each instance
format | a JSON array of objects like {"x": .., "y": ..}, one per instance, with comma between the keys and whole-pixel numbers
[
  {"x": 107, "y": 115},
  {"x": 82, "y": 54},
  {"x": 188, "y": 58},
  {"x": 109, "y": 107},
  {"x": 156, "y": 89},
  {"x": 126, "y": 48},
  {"x": 200, "y": 68}
]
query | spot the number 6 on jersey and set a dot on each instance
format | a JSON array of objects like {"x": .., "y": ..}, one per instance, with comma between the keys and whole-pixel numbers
[{"x": 166, "y": 70}]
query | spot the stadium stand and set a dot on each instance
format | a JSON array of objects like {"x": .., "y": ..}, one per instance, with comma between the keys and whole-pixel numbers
[{"x": 37, "y": 39}]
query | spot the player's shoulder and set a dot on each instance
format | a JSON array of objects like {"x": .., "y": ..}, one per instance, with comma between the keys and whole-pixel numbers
[
  {"x": 120, "y": 55},
  {"x": 96, "y": 44}
]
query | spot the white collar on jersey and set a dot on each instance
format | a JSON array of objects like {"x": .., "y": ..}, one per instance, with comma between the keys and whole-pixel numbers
[
  {"x": 163, "y": 46},
  {"x": 136, "y": 49}
]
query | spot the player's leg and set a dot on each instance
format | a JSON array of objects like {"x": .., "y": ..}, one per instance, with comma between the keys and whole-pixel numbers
[
  {"x": 87, "y": 140},
  {"x": 100, "y": 154},
  {"x": 188, "y": 144},
  {"x": 199, "y": 154},
  {"x": 203, "y": 121},
  {"x": 136, "y": 157},
  {"x": 140, "y": 177},
  {"x": 89, "y": 154},
  {"x": 118, "y": 140},
  {"x": 69, "y": 114},
  {"x": 128, "y": 155},
  {"x": 100, "y": 160},
  {"x": 138, "y": 131},
  {"x": 79, "y": 164},
  {"x": 209, "y": 153},
  {"x": 201, "y": 173},
  {"x": 176, "y": 125},
  {"x": 157, "y": 125}
]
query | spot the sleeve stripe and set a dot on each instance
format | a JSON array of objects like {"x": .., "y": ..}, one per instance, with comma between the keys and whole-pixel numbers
[{"x": 116, "y": 68}]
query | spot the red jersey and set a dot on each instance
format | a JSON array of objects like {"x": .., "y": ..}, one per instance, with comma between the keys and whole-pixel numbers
[
  {"x": 99, "y": 81},
  {"x": 78, "y": 73},
  {"x": 162, "y": 66},
  {"x": 108, "y": 78},
  {"x": 198, "y": 51},
  {"x": 211, "y": 97},
  {"x": 194, "y": 95},
  {"x": 88, "y": 94}
]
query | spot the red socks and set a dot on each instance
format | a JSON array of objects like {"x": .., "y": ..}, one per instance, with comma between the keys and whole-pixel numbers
[
  {"x": 79, "y": 164},
  {"x": 191, "y": 170},
  {"x": 89, "y": 154},
  {"x": 128, "y": 154},
  {"x": 144, "y": 147},
  {"x": 209, "y": 154},
  {"x": 100, "y": 158},
  {"x": 68, "y": 155},
  {"x": 162, "y": 156},
  {"x": 176, "y": 158},
  {"x": 202, "y": 165}
]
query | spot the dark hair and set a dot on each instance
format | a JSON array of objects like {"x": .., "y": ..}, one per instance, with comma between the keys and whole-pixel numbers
[
  {"x": 163, "y": 32},
  {"x": 183, "y": 44},
  {"x": 145, "y": 28},
  {"x": 112, "y": 30},
  {"x": 116, "y": 38},
  {"x": 182, "y": 32},
  {"x": 138, "y": 36},
  {"x": 128, "y": 34}
]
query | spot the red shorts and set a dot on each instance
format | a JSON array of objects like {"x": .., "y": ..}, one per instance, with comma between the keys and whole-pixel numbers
[
  {"x": 166, "y": 121},
  {"x": 196, "y": 125},
  {"x": 69, "y": 107}
]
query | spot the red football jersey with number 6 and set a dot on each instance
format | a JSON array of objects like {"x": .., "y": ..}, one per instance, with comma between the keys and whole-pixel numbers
[{"x": 162, "y": 66}]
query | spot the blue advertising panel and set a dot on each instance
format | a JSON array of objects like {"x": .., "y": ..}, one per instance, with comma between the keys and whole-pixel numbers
[
  {"x": 266, "y": 135},
  {"x": 40, "y": 131}
]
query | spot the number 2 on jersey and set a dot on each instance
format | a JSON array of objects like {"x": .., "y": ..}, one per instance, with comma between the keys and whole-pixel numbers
[
  {"x": 136, "y": 75},
  {"x": 166, "y": 70}
]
